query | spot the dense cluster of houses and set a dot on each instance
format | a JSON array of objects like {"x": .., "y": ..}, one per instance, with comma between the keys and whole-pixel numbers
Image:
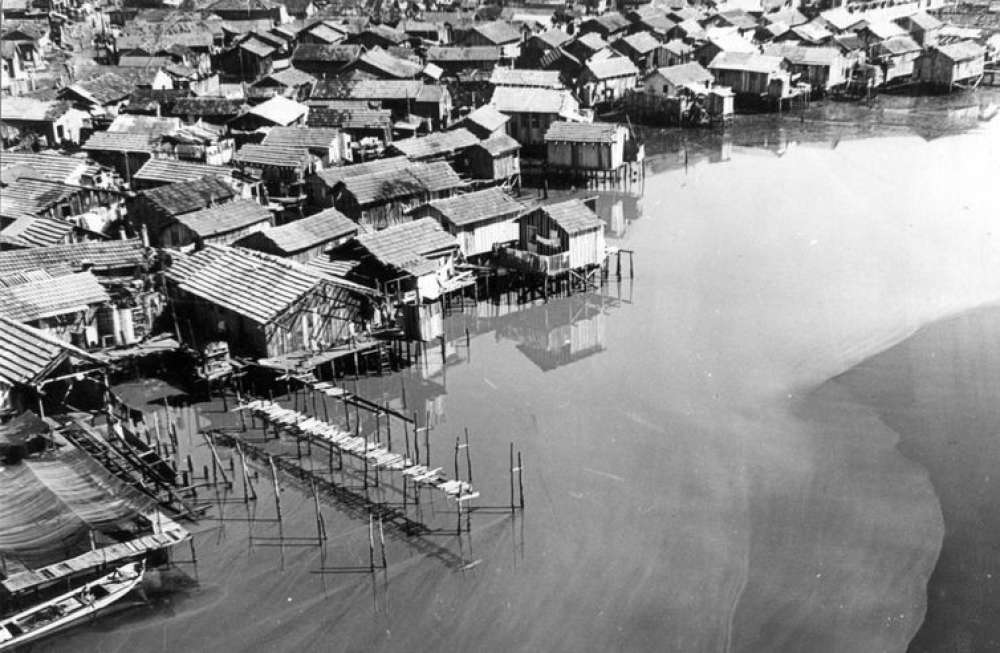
[{"x": 285, "y": 175}]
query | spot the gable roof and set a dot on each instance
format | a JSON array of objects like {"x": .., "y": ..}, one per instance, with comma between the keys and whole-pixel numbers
[
  {"x": 31, "y": 196},
  {"x": 640, "y": 42},
  {"x": 514, "y": 99},
  {"x": 56, "y": 167},
  {"x": 29, "y": 354},
  {"x": 488, "y": 118},
  {"x": 187, "y": 196},
  {"x": 308, "y": 137},
  {"x": 389, "y": 64},
  {"x": 224, "y": 218},
  {"x": 499, "y": 143},
  {"x": 401, "y": 245},
  {"x": 921, "y": 20},
  {"x": 102, "y": 89},
  {"x": 962, "y": 51},
  {"x": 32, "y": 109},
  {"x": 582, "y": 132},
  {"x": 369, "y": 89},
  {"x": 803, "y": 55},
  {"x": 107, "y": 141},
  {"x": 746, "y": 61},
  {"x": 553, "y": 37},
  {"x": 36, "y": 300},
  {"x": 479, "y": 206},
  {"x": 435, "y": 144},
  {"x": 691, "y": 73},
  {"x": 172, "y": 171},
  {"x": 498, "y": 32},
  {"x": 573, "y": 216},
  {"x": 270, "y": 155},
  {"x": 255, "y": 285},
  {"x": 208, "y": 106},
  {"x": 525, "y": 77},
  {"x": 34, "y": 231},
  {"x": 99, "y": 255},
  {"x": 279, "y": 110},
  {"x": 306, "y": 233},
  {"x": 899, "y": 45},
  {"x": 388, "y": 185},
  {"x": 335, "y": 175},
  {"x": 468, "y": 53},
  {"x": 339, "y": 53},
  {"x": 612, "y": 67}
]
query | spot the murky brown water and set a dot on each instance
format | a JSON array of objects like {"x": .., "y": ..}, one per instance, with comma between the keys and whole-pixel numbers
[{"x": 718, "y": 456}]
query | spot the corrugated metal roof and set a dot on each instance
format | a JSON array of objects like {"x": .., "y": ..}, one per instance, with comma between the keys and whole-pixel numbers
[
  {"x": 101, "y": 256},
  {"x": 349, "y": 118},
  {"x": 28, "y": 354},
  {"x": 612, "y": 67},
  {"x": 525, "y": 77},
  {"x": 289, "y": 77},
  {"x": 50, "y": 297},
  {"x": 255, "y": 285},
  {"x": 224, "y": 218},
  {"x": 435, "y": 144},
  {"x": 33, "y": 231},
  {"x": 208, "y": 106},
  {"x": 641, "y": 42},
  {"x": 582, "y": 132},
  {"x": 480, "y": 206},
  {"x": 803, "y": 55},
  {"x": 119, "y": 142},
  {"x": 308, "y": 232},
  {"x": 171, "y": 171},
  {"x": 685, "y": 73},
  {"x": 573, "y": 216},
  {"x": 899, "y": 45},
  {"x": 408, "y": 242},
  {"x": 270, "y": 155},
  {"x": 308, "y": 137}
]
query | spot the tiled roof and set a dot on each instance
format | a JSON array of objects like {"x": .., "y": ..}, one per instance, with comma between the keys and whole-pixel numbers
[
  {"x": 308, "y": 232},
  {"x": 170, "y": 171},
  {"x": 500, "y": 143},
  {"x": 252, "y": 284},
  {"x": 257, "y": 47},
  {"x": 208, "y": 106},
  {"x": 322, "y": 52},
  {"x": 138, "y": 124},
  {"x": 187, "y": 196},
  {"x": 582, "y": 132},
  {"x": 269, "y": 155},
  {"x": 349, "y": 119},
  {"x": 406, "y": 243},
  {"x": 414, "y": 180},
  {"x": 36, "y": 300},
  {"x": 369, "y": 89},
  {"x": 33, "y": 231},
  {"x": 472, "y": 53},
  {"x": 573, "y": 216},
  {"x": 513, "y": 99},
  {"x": 611, "y": 21},
  {"x": 525, "y": 77},
  {"x": 224, "y": 218},
  {"x": 28, "y": 353},
  {"x": 389, "y": 64},
  {"x": 99, "y": 255},
  {"x": 479, "y": 206},
  {"x": 308, "y": 137},
  {"x": 435, "y": 144},
  {"x": 28, "y": 196},
  {"x": 333, "y": 176},
  {"x": 55, "y": 167},
  {"x": 119, "y": 142}
]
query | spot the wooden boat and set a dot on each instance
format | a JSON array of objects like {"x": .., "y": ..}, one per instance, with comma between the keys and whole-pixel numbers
[{"x": 69, "y": 608}]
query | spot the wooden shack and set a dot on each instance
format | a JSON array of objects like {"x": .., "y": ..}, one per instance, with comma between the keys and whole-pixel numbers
[
  {"x": 304, "y": 239},
  {"x": 263, "y": 305},
  {"x": 156, "y": 209},
  {"x": 220, "y": 225},
  {"x": 496, "y": 159},
  {"x": 586, "y": 146},
  {"x": 945, "y": 67},
  {"x": 62, "y": 305},
  {"x": 560, "y": 237},
  {"x": 532, "y": 110},
  {"x": 382, "y": 199},
  {"x": 283, "y": 169},
  {"x": 480, "y": 220}
]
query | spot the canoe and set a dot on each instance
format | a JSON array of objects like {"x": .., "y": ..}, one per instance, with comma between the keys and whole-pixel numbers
[{"x": 67, "y": 609}]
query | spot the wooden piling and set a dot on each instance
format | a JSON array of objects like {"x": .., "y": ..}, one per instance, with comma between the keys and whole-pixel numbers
[
  {"x": 371, "y": 543},
  {"x": 277, "y": 487},
  {"x": 468, "y": 458},
  {"x": 320, "y": 531},
  {"x": 520, "y": 482},
  {"x": 381, "y": 539},
  {"x": 511, "y": 468}
]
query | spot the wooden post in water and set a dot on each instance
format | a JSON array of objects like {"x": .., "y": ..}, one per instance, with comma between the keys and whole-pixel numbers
[
  {"x": 468, "y": 457},
  {"x": 416, "y": 438},
  {"x": 247, "y": 483},
  {"x": 520, "y": 482},
  {"x": 277, "y": 487},
  {"x": 320, "y": 531},
  {"x": 388, "y": 427},
  {"x": 371, "y": 543},
  {"x": 381, "y": 539},
  {"x": 511, "y": 468}
]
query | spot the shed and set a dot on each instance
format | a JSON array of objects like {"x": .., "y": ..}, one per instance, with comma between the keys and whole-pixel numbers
[
  {"x": 586, "y": 146},
  {"x": 283, "y": 169},
  {"x": 435, "y": 146},
  {"x": 480, "y": 220},
  {"x": 525, "y": 77},
  {"x": 263, "y": 305},
  {"x": 62, "y": 306},
  {"x": 671, "y": 81},
  {"x": 155, "y": 209},
  {"x": 559, "y": 237},
  {"x": 485, "y": 121},
  {"x": 945, "y": 66},
  {"x": 381, "y": 199},
  {"x": 606, "y": 80},
  {"x": 304, "y": 239},
  {"x": 496, "y": 159},
  {"x": 219, "y": 225},
  {"x": 329, "y": 144},
  {"x": 532, "y": 110}
]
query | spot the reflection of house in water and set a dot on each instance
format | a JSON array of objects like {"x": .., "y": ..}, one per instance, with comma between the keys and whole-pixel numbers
[{"x": 559, "y": 332}]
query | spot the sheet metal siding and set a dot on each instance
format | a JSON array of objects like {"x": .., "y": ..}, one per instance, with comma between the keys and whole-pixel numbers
[{"x": 586, "y": 248}]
